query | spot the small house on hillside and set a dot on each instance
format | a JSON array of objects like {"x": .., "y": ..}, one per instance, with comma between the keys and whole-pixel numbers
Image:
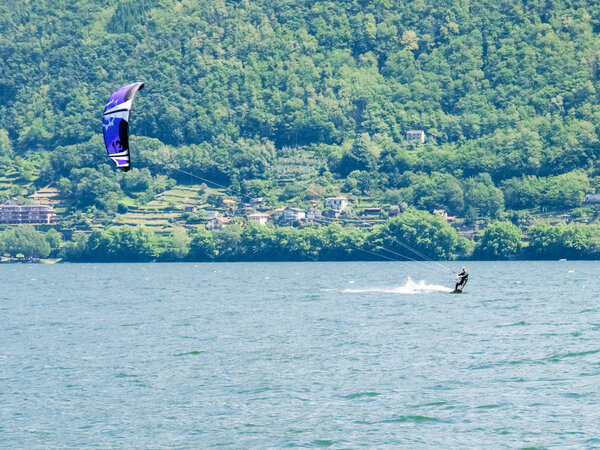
[
  {"x": 276, "y": 214},
  {"x": 217, "y": 223},
  {"x": 259, "y": 218},
  {"x": 332, "y": 214},
  {"x": 415, "y": 136},
  {"x": 293, "y": 214},
  {"x": 440, "y": 212},
  {"x": 337, "y": 203},
  {"x": 592, "y": 199},
  {"x": 371, "y": 212},
  {"x": 313, "y": 214}
]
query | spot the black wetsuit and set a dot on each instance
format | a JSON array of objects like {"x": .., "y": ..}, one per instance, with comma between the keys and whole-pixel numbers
[{"x": 463, "y": 276}]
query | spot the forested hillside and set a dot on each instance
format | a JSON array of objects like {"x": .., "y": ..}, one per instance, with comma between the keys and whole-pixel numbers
[{"x": 284, "y": 99}]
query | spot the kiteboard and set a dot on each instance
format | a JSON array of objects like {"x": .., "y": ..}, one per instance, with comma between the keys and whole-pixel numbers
[{"x": 461, "y": 286}]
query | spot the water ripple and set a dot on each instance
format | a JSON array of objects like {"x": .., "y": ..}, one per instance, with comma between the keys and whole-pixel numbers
[{"x": 283, "y": 355}]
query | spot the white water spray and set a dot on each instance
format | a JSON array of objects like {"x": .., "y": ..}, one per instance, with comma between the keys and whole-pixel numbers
[{"x": 410, "y": 287}]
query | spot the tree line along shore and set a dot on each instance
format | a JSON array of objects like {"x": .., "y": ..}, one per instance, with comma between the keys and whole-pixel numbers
[{"x": 413, "y": 235}]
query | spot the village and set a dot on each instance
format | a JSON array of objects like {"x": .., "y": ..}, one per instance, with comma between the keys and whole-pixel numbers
[
  {"x": 336, "y": 208},
  {"x": 38, "y": 209}
]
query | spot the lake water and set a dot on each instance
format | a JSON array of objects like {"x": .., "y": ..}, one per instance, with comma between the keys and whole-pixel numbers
[{"x": 271, "y": 355}]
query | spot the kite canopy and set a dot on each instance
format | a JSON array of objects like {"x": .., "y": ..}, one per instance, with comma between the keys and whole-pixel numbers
[{"x": 116, "y": 125}]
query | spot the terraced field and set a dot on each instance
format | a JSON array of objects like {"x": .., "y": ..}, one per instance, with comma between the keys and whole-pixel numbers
[
  {"x": 12, "y": 184},
  {"x": 166, "y": 210}
]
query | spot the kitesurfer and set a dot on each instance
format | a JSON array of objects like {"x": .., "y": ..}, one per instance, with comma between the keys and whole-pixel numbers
[{"x": 462, "y": 279}]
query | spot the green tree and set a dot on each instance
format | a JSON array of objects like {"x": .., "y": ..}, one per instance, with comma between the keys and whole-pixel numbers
[
  {"x": 175, "y": 246},
  {"x": 564, "y": 241},
  {"x": 27, "y": 241},
  {"x": 76, "y": 248},
  {"x": 360, "y": 157},
  {"x": 340, "y": 243},
  {"x": 55, "y": 241},
  {"x": 90, "y": 188},
  {"x": 6, "y": 148},
  {"x": 413, "y": 229},
  {"x": 228, "y": 243},
  {"x": 203, "y": 246},
  {"x": 122, "y": 244},
  {"x": 481, "y": 193},
  {"x": 500, "y": 240},
  {"x": 521, "y": 193}
]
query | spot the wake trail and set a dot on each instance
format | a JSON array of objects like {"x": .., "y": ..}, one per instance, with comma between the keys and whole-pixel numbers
[{"x": 410, "y": 287}]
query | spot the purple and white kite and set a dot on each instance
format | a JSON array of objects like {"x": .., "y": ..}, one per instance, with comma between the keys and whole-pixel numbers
[{"x": 116, "y": 125}]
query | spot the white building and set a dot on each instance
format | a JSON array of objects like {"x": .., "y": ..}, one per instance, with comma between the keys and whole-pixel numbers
[
  {"x": 212, "y": 214},
  {"x": 592, "y": 199},
  {"x": 276, "y": 214},
  {"x": 293, "y": 214},
  {"x": 417, "y": 136},
  {"x": 15, "y": 214},
  {"x": 259, "y": 218},
  {"x": 337, "y": 203},
  {"x": 217, "y": 223}
]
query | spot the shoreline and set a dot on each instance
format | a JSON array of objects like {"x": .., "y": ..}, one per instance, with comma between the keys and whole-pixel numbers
[{"x": 5, "y": 260}]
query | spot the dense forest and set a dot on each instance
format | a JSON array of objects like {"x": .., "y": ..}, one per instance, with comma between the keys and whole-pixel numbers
[{"x": 284, "y": 98}]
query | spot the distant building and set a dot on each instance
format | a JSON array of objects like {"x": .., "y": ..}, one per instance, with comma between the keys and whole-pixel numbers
[
  {"x": 444, "y": 214},
  {"x": 337, "y": 203},
  {"x": 371, "y": 212},
  {"x": 416, "y": 136},
  {"x": 259, "y": 218},
  {"x": 592, "y": 199},
  {"x": 293, "y": 214},
  {"x": 256, "y": 200},
  {"x": 365, "y": 225},
  {"x": 277, "y": 214},
  {"x": 13, "y": 214},
  {"x": 191, "y": 208},
  {"x": 217, "y": 223},
  {"x": 313, "y": 214},
  {"x": 210, "y": 214}
]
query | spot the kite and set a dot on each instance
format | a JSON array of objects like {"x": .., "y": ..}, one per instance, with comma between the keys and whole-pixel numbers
[{"x": 116, "y": 125}]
